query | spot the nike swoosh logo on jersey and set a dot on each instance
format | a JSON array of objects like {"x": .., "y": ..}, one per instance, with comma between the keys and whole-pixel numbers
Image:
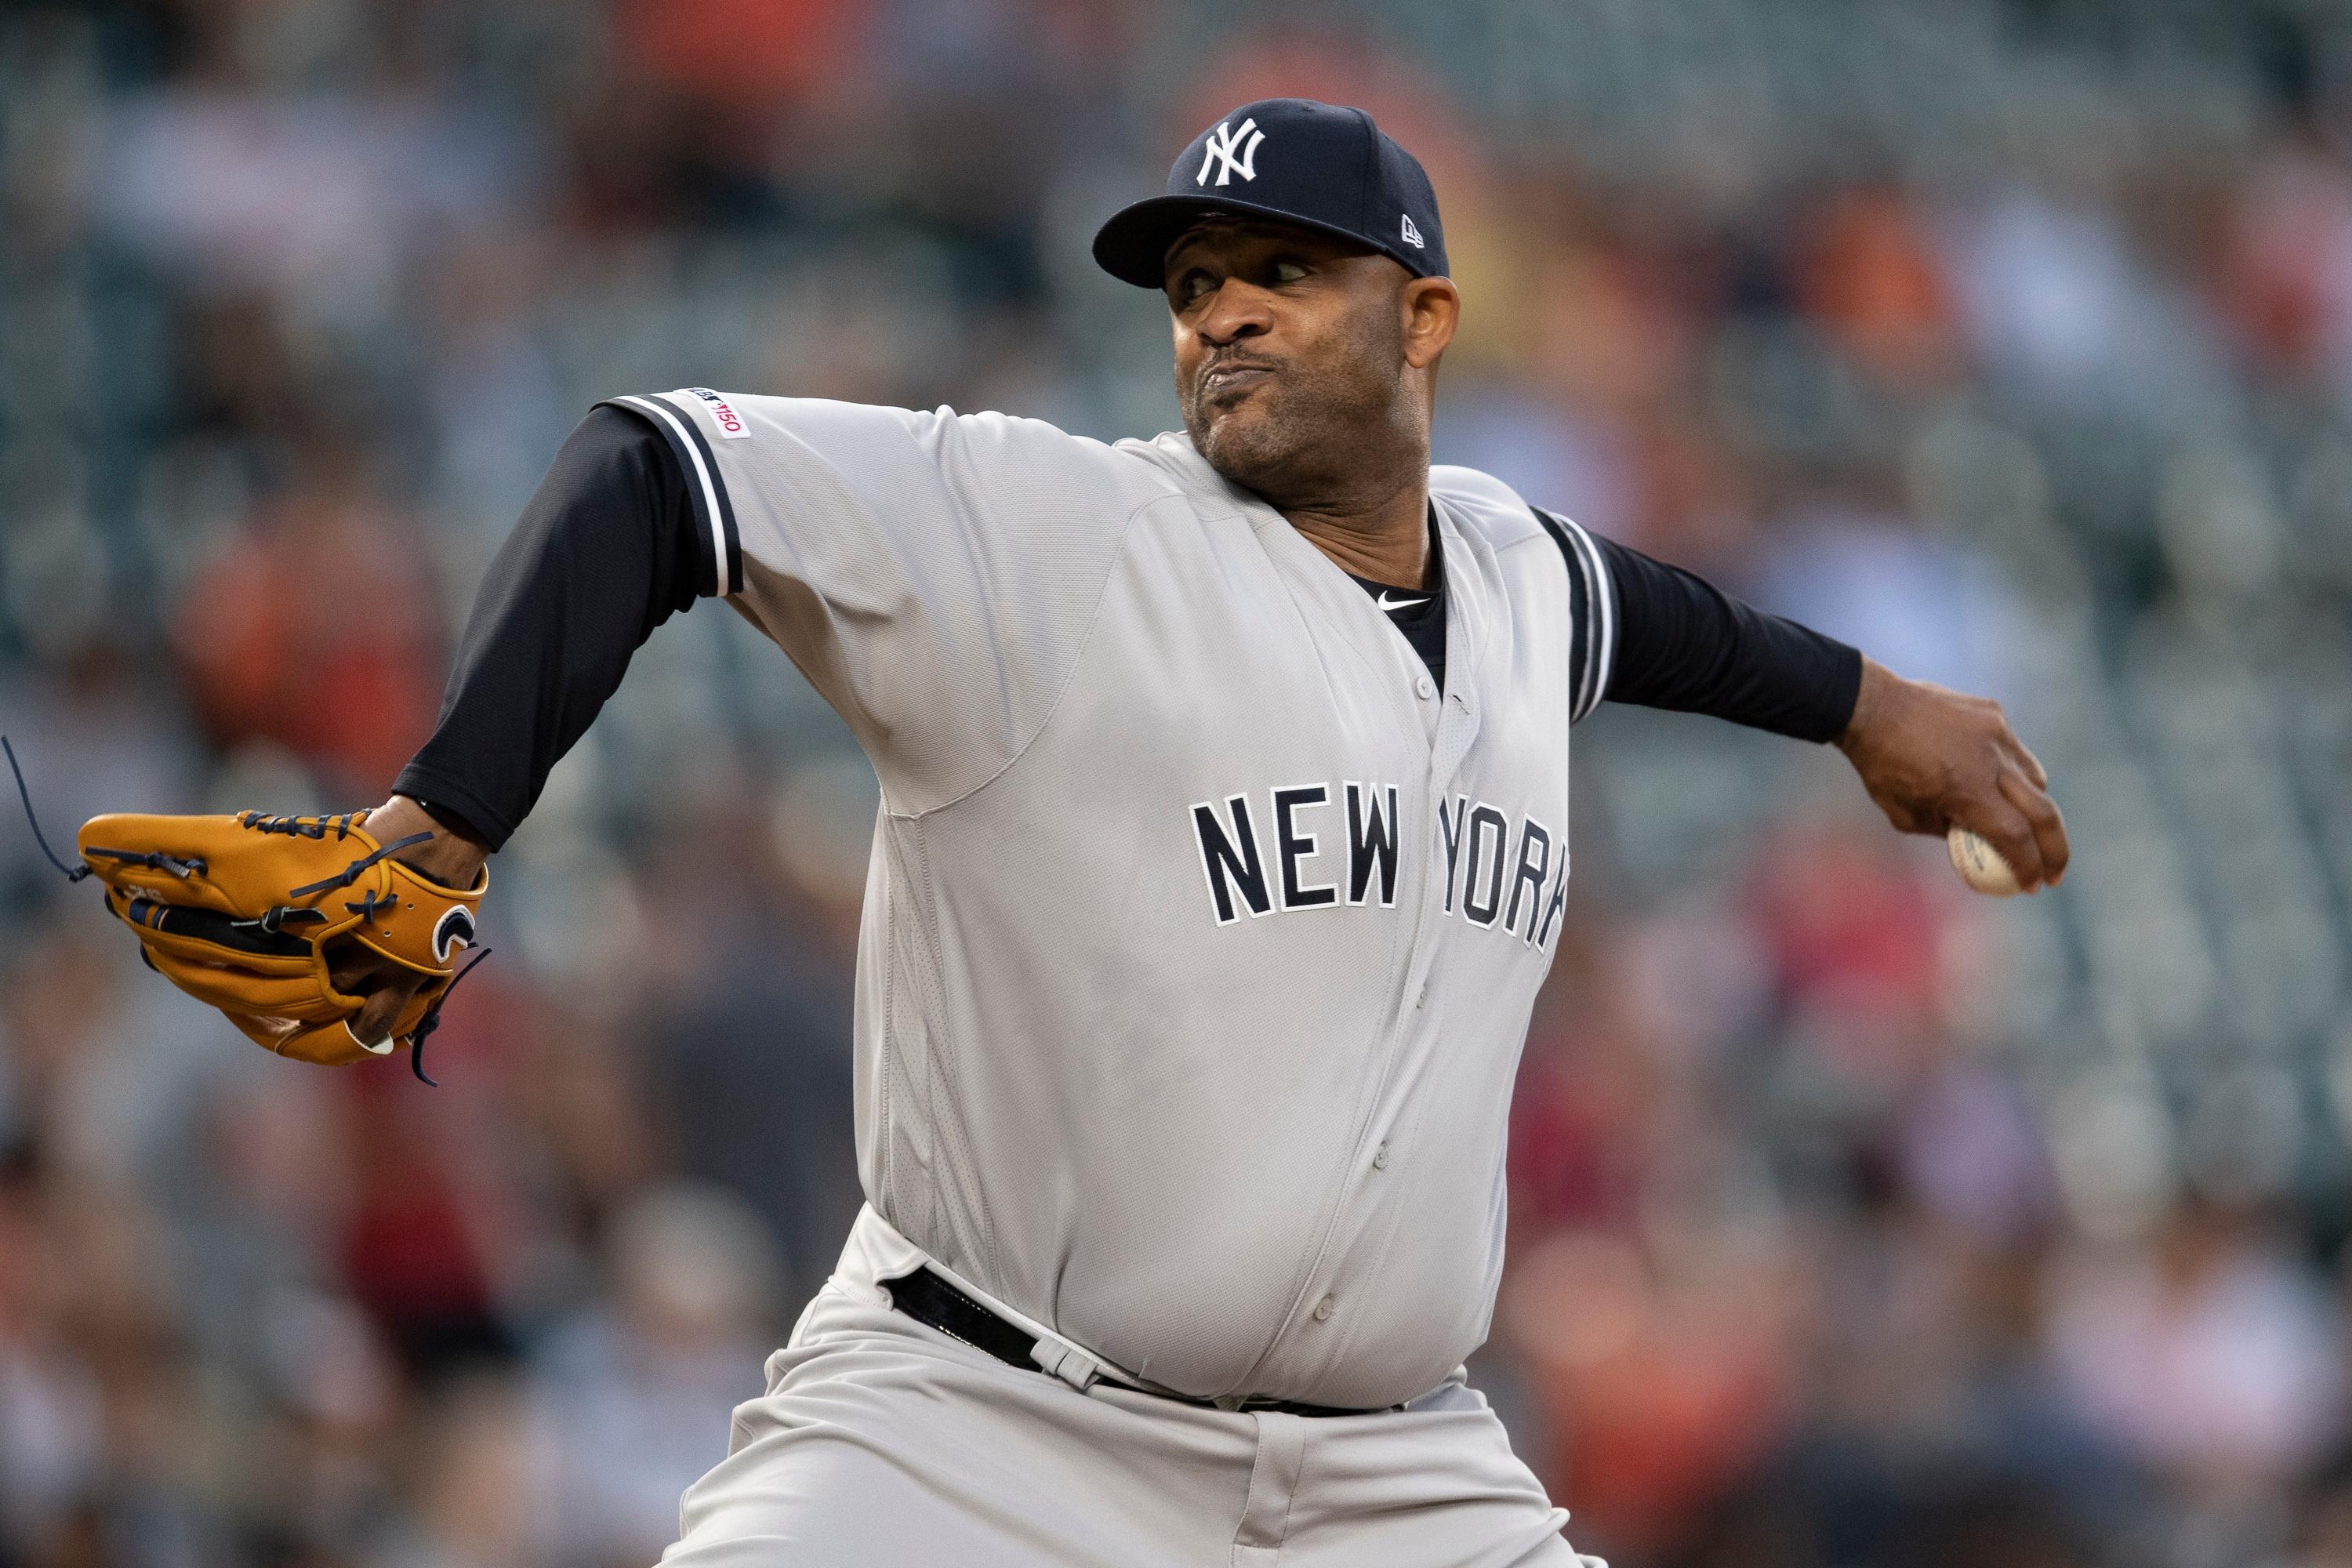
[{"x": 1388, "y": 603}]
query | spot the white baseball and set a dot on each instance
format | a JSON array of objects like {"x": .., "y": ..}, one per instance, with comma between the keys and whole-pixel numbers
[{"x": 1980, "y": 864}]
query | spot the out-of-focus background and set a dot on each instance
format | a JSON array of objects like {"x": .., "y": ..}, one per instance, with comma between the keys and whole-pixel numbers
[{"x": 1855, "y": 1223}]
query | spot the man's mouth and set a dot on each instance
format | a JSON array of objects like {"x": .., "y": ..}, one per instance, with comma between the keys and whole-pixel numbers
[{"x": 1234, "y": 377}]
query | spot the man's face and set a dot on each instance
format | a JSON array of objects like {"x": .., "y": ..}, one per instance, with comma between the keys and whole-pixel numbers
[{"x": 1289, "y": 353}]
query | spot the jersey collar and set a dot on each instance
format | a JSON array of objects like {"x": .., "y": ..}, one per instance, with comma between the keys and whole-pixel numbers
[{"x": 1467, "y": 565}]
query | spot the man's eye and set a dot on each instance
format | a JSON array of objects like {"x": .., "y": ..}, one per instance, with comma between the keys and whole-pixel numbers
[
  {"x": 1288, "y": 272},
  {"x": 1194, "y": 286}
]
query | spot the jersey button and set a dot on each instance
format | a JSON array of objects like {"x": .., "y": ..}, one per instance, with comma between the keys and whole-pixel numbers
[
  {"x": 1425, "y": 687},
  {"x": 1380, "y": 1158},
  {"x": 1323, "y": 1310}
]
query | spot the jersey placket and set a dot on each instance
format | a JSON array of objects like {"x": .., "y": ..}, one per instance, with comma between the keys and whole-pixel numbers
[{"x": 1457, "y": 730}]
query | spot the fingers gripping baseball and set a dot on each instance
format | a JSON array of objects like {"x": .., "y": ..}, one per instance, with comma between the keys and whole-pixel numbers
[{"x": 1935, "y": 759}]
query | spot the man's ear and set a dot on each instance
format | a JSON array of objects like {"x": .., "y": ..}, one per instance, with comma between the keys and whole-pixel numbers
[{"x": 1431, "y": 308}]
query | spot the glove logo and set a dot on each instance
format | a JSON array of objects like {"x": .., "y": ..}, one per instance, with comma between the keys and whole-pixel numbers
[{"x": 453, "y": 931}]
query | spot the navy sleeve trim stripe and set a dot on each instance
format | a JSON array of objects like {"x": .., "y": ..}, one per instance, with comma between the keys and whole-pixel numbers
[
  {"x": 1593, "y": 601},
  {"x": 1659, "y": 636},
  {"x": 1580, "y": 620},
  {"x": 720, "y": 547},
  {"x": 729, "y": 544}
]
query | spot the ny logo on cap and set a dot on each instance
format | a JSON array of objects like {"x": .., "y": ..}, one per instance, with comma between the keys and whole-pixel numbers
[{"x": 1221, "y": 145}]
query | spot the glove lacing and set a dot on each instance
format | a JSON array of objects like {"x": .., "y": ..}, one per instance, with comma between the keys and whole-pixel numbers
[
  {"x": 71, "y": 873},
  {"x": 432, "y": 1020}
]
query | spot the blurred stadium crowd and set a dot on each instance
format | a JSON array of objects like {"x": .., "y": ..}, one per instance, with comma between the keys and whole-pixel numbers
[{"x": 1856, "y": 1223}]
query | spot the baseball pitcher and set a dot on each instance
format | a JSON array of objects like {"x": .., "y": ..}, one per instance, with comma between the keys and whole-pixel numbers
[{"x": 1222, "y": 847}]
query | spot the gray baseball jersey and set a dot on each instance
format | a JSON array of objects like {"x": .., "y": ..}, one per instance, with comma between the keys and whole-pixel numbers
[{"x": 1202, "y": 929}]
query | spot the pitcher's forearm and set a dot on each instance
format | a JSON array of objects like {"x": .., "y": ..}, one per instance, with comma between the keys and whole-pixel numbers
[
  {"x": 604, "y": 552},
  {"x": 1679, "y": 642}
]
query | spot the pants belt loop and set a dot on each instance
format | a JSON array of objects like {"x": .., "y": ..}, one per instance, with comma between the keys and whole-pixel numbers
[
  {"x": 1068, "y": 1362},
  {"x": 1272, "y": 1484}
]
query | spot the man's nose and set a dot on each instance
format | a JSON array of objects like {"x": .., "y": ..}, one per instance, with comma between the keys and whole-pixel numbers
[{"x": 1238, "y": 311}]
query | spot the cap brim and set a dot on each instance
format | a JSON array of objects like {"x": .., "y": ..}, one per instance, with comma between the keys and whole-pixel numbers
[{"x": 1132, "y": 246}]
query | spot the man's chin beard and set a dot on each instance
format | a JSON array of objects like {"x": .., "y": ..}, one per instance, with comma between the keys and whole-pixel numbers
[{"x": 1237, "y": 457}]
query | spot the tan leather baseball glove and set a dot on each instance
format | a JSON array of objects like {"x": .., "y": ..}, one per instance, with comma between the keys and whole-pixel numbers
[{"x": 241, "y": 911}]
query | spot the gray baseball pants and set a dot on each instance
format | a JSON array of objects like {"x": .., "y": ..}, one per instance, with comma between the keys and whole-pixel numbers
[{"x": 881, "y": 1443}]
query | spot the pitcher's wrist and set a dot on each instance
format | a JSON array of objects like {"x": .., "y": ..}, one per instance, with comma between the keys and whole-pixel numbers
[
  {"x": 451, "y": 858},
  {"x": 1869, "y": 697}
]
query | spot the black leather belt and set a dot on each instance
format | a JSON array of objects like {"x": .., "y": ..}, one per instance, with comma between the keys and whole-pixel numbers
[{"x": 930, "y": 1298}]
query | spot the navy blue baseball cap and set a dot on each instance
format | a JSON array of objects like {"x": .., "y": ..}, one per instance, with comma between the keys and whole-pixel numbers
[{"x": 1316, "y": 165}]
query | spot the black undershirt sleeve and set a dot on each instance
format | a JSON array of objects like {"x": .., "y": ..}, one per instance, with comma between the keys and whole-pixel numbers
[
  {"x": 1663, "y": 637},
  {"x": 604, "y": 552}
]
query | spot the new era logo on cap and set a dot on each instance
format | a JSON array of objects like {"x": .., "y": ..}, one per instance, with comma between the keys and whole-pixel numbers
[{"x": 1326, "y": 167}]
